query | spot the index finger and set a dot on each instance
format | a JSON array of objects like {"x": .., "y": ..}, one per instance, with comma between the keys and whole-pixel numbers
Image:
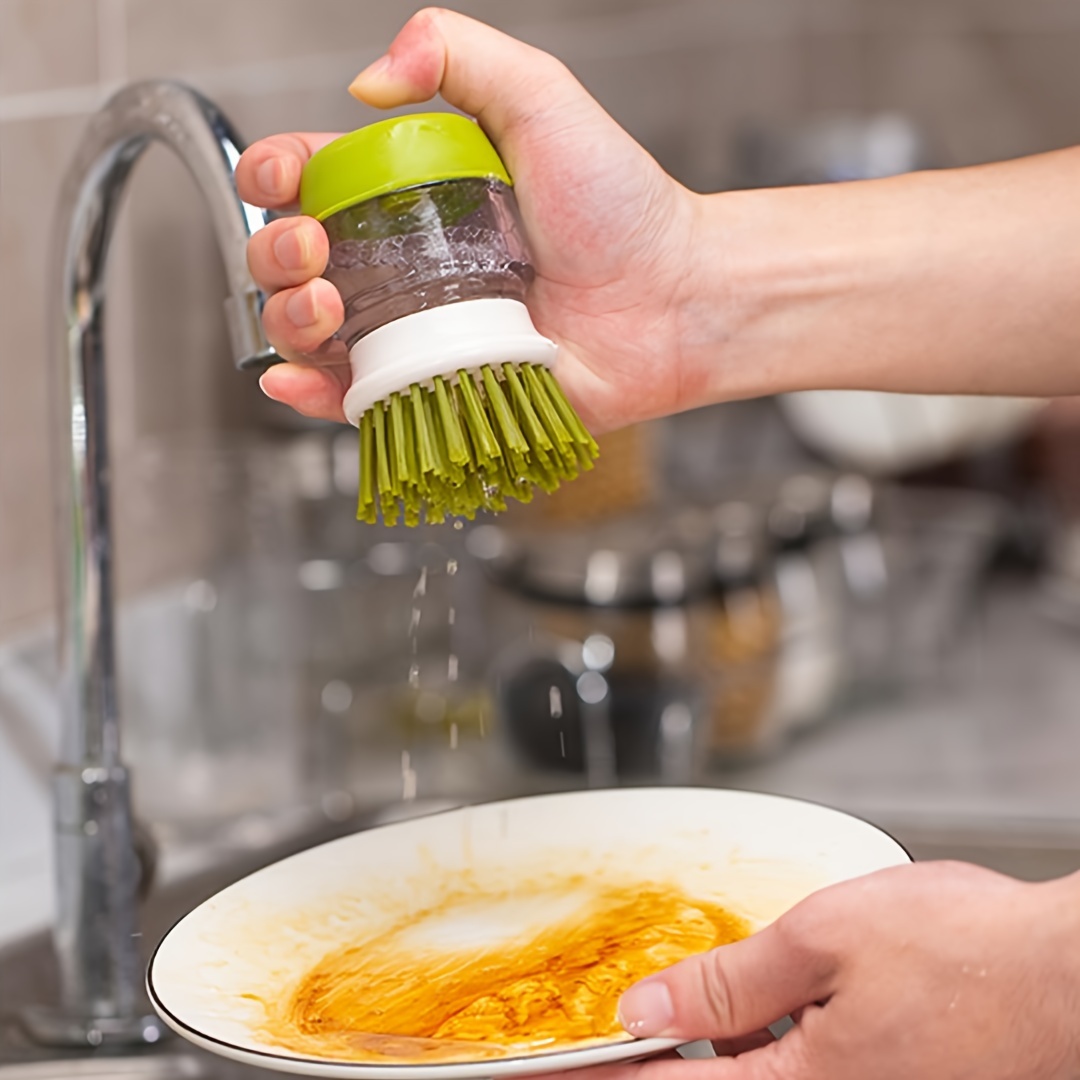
[{"x": 268, "y": 172}]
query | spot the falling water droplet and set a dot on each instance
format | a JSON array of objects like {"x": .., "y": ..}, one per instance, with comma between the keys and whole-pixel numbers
[
  {"x": 414, "y": 675},
  {"x": 452, "y": 668},
  {"x": 451, "y": 567},
  {"x": 453, "y": 616},
  {"x": 453, "y": 736},
  {"x": 555, "y": 702},
  {"x": 408, "y": 778},
  {"x": 458, "y": 525},
  {"x": 562, "y": 743},
  {"x": 421, "y": 585},
  {"x": 414, "y": 621}
]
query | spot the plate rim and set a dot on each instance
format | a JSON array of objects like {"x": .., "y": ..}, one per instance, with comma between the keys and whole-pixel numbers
[
  {"x": 621, "y": 1050},
  {"x": 548, "y": 1061}
]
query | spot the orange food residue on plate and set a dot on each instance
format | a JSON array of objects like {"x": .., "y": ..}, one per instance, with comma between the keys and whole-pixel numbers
[{"x": 483, "y": 977}]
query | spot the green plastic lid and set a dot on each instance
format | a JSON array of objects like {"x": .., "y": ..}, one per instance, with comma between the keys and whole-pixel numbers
[{"x": 394, "y": 154}]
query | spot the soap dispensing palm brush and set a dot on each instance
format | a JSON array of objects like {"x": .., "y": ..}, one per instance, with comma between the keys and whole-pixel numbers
[{"x": 452, "y": 385}]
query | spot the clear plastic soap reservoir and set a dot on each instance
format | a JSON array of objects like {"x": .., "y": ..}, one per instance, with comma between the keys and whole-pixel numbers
[{"x": 424, "y": 247}]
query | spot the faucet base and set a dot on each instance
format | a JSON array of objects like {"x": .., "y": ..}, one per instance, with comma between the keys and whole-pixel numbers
[{"x": 50, "y": 1026}]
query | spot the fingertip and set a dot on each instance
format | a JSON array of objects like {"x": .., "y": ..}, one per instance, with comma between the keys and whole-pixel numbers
[
  {"x": 310, "y": 391},
  {"x": 266, "y": 382},
  {"x": 369, "y": 79},
  {"x": 647, "y": 1009}
]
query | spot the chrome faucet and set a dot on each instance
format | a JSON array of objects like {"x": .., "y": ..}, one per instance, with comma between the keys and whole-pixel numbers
[{"x": 97, "y": 870}]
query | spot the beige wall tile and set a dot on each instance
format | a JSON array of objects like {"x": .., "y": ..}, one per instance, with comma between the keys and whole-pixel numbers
[
  {"x": 200, "y": 35},
  {"x": 32, "y": 157},
  {"x": 1019, "y": 16},
  {"x": 46, "y": 44},
  {"x": 899, "y": 18},
  {"x": 950, "y": 86},
  {"x": 834, "y": 72},
  {"x": 1042, "y": 72}
]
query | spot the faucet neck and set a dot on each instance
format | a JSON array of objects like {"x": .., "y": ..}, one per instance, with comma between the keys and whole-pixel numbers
[{"x": 97, "y": 870}]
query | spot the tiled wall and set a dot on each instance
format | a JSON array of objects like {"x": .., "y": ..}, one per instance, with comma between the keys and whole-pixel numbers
[{"x": 985, "y": 78}]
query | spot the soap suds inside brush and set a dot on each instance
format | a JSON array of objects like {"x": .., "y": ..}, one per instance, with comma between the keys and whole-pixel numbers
[{"x": 466, "y": 442}]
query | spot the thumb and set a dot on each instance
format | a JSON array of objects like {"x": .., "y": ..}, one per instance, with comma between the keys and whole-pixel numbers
[
  {"x": 732, "y": 991},
  {"x": 500, "y": 81}
]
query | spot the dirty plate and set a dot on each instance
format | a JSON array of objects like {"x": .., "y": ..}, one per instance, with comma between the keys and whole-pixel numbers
[{"x": 493, "y": 940}]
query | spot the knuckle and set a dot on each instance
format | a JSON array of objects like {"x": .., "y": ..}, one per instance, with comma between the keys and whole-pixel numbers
[
  {"x": 554, "y": 68},
  {"x": 430, "y": 18},
  {"x": 806, "y": 921},
  {"x": 810, "y": 935},
  {"x": 716, "y": 993},
  {"x": 276, "y": 322}
]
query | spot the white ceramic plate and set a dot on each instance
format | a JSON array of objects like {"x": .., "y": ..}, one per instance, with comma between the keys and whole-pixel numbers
[{"x": 757, "y": 855}]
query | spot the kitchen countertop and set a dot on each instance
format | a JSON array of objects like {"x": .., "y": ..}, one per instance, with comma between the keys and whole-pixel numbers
[{"x": 991, "y": 745}]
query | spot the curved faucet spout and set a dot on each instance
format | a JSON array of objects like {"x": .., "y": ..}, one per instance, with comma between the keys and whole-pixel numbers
[{"x": 96, "y": 867}]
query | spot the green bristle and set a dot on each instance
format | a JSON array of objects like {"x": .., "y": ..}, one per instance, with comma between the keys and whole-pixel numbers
[
  {"x": 535, "y": 392},
  {"x": 534, "y": 430},
  {"x": 399, "y": 468},
  {"x": 548, "y": 464},
  {"x": 484, "y": 443},
  {"x": 367, "y": 510},
  {"x": 452, "y": 474},
  {"x": 569, "y": 418},
  {"x": 455, "y": 440},
  {"x": 476, "y": 496},
  {"x": 484, "y": 472},
  {"x": 422, "y": 422},
  {"x": 452, "y": 449},
  {"x": 513, "y": 442},
  {"x": 413, "y": 501},
  {"x": 412, "y": 455},
  {"x": 387, "y": 502}
]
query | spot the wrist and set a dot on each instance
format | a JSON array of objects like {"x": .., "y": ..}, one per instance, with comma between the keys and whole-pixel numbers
[
  {"x": 774, "y": 269},
  {"x": 1054, "y": 930}
]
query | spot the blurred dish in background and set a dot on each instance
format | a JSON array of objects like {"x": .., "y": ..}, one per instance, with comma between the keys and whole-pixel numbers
[
  {"x": 669, "y": 641},
  {"x": 605, "y": 627},
  {"x": 890, "y": 434}
]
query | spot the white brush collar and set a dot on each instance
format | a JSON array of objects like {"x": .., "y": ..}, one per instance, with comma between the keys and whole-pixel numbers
[{"x": 441, "y": 341}]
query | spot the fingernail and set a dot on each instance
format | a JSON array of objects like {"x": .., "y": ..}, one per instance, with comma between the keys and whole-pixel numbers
[
  {"x": 302, "y": 308},
  {"x": 647, "y": 1009},
  {"x": 292, "y": 249},
  {"x": 269, "y": 175},
  {"x": 379, "y": 67},
  {"x": 262, "y": 386}
]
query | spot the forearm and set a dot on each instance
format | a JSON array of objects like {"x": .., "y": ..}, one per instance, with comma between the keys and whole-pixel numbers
[{"x": 963, "y": 281}]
